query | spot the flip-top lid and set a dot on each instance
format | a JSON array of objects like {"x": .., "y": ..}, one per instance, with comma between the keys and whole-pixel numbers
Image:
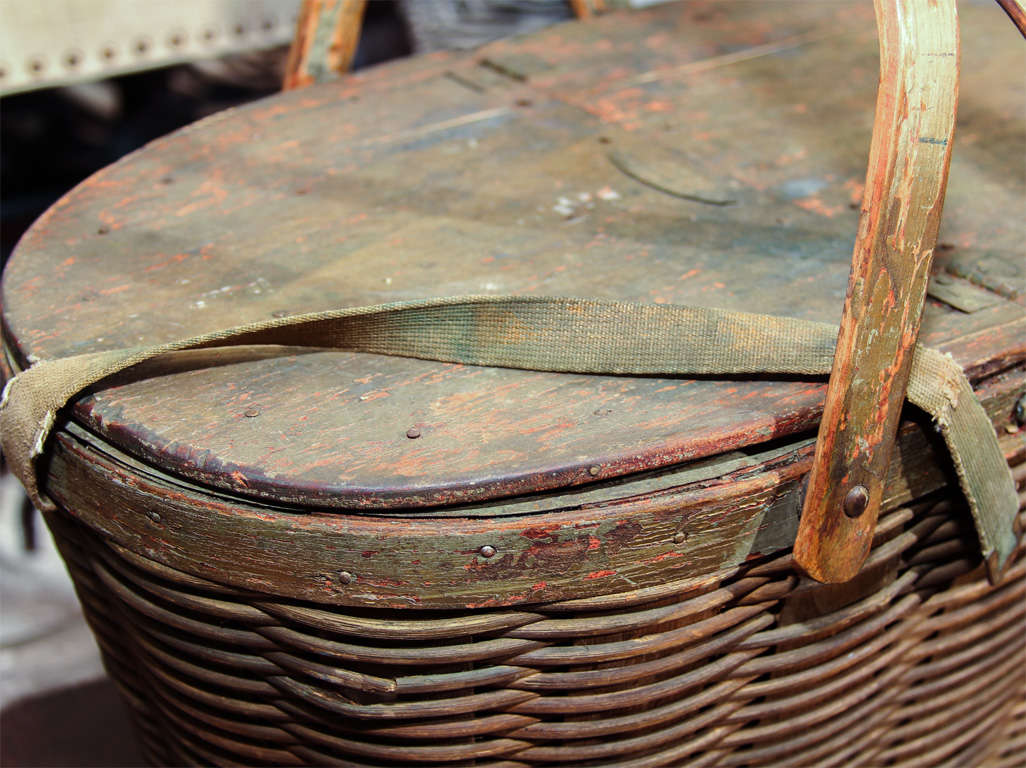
[{"x": 698, "y": 154}]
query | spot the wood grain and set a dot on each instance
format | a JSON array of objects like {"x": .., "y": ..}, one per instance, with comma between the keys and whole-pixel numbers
[
  {"x": 579, "y": 545},
  {"x": 905, "y": 186}
]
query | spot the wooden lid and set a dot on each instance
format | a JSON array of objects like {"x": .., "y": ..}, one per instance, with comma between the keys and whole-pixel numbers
[{"x": 696, "y": 154}]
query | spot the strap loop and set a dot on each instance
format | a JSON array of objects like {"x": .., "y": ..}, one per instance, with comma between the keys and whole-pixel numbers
[{"x": 552, "y": 334}]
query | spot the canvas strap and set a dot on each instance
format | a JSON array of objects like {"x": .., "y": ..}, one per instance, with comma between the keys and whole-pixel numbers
[{"x": 552, "y": 334}]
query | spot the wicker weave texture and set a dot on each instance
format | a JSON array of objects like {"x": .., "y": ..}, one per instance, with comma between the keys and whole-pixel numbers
[{"x": 749, "y": 667}]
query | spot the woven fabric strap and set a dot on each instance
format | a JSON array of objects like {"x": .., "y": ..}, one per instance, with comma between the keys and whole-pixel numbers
[{"x": 553, "y": 334}]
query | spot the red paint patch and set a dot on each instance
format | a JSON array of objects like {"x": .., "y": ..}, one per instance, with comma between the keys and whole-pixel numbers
[
  {"x": 815, "y": 205},
  {"x": 116, "y": 289},
  {"x": 380, "y": 582},
  {"x": 540, "y": 533},
  {"x": 665, "y": 556},
  {"x": 495, "y": 602},
  {"x": 600, "y": 574}
]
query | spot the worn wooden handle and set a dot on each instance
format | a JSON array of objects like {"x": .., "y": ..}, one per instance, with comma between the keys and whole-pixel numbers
[
  {"x": 905, "y": 183},
  {"x": 1016, "y": 11},
  {"x": 328, "y": 33}
]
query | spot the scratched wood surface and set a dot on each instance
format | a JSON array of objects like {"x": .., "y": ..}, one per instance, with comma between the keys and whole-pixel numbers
[
  {"x": 705, "y": 153},
  {"x": 901, "y": 213}
]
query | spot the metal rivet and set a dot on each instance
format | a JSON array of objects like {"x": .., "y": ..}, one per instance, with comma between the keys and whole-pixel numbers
[
  {"x": 680, "y": 537},
  {"x": 154, "y": 516},
  {"x": 856, "y": 502},
  {"x": 593, "y": 471},
  {"x": 994, "y": 570},
  {"x": 251, "y": 413},
  {"x": 413, "y": 433},
  {"x": 1020, "y": 411},
  {"x": 279, "y": 313},
  {"x": 345, "y": 577},
  {"x": 487, "y": 551}
]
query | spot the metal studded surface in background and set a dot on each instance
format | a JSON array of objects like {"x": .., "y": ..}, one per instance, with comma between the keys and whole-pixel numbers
[{"x": 59, "y": 42}]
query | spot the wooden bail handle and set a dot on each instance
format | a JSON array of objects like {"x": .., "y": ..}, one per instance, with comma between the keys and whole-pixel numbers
[
  {"x": 328, "y": 32},
  {"x": 908, "y": 171}
]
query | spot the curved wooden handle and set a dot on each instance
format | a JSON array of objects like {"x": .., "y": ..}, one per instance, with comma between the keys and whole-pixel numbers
[
  {"x": 328, "y": 33},
  {"x": 905, "y": 183},
  {"x": 1016, "y": 11}
]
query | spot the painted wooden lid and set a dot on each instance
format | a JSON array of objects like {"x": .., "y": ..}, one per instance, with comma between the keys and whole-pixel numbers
[{"x": 696, "y": 154}]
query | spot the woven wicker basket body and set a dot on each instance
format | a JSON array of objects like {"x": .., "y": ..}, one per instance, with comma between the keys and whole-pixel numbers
[
  {"x": 322, "y": 557},
  {"x": 922, "y": 664}
]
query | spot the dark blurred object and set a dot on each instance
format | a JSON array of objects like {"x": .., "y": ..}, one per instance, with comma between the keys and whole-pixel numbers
[
  {"x": 94, "y": 729},
  {"x": 464, "y": 24}
]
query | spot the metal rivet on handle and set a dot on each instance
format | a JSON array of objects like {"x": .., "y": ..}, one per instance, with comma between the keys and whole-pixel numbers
[
  {"x": 413, "y": 433},
  {"x": 487, "y": 551},
  {"x": 345, "y": 577},
  {"x": 856, "y": 502}
]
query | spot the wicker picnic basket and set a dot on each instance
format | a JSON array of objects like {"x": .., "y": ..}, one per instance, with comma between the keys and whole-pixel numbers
[{"x": 307, "y": 556}]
